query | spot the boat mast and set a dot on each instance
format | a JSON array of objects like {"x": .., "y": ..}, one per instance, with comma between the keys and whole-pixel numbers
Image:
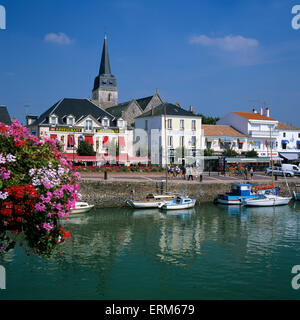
[
  {"x": 271, "y": 154},
  {"x": 166, "y": 147}
]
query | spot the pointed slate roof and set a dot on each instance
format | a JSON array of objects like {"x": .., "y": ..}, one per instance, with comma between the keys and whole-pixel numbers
[
  {"x": 104, "y": 65},
  {"x": 105, "y": 79},
  {"x": 79, "y": 108},
  {"x": 171, "y": 110},
  {"x": 4, "y": 115}
]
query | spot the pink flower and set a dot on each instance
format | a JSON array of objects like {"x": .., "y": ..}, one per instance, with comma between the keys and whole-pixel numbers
[
  {"x": 48, "y": 226},
  {"x": 40, "y": 207}
]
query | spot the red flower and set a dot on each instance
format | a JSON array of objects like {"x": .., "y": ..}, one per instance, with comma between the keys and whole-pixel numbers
[
  {"x": 66, "y": 235},
  {"x": 21, "y": 143}
]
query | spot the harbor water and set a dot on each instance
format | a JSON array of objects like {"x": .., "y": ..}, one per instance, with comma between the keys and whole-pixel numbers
[{"x": 210, "y": 252}]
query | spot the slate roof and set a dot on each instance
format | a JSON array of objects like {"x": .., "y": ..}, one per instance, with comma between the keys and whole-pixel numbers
[
  {"x": 4, "y": 115},
  {"x": 285, "y": 126},
  {"x": 171, "y": 110},
  {"x": 143, "y": 102},
  {"x": 117, "y": 110},
  {"x": 220, "y": 130},
  {"x": 253, "y": 116},
  {"x": 79, "y": 108}
]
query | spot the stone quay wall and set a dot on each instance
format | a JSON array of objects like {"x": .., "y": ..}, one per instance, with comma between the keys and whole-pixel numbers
[{"x": 114, "y": 194}]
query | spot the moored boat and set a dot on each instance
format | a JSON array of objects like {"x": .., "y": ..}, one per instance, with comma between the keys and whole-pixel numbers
[
  {"x": 178, "y": 203},
  {"x": 267, "y": 200},
  {"x": 150, "y": 201},
  {"x": 81, "y": 207},
  {"x": 238, "y": 193}
]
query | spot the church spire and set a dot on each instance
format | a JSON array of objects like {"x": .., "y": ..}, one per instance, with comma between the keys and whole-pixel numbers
[
  {"x": 105, "y": 65},
  {"x": 105, "y": 91}
]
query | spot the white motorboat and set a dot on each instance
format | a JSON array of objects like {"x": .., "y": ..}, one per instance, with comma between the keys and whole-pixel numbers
[
  {"x": 81, "y": 207},
  {"x": 296, "y": 193},
  {"x": 150, "y": 201},
  {"x": 178, "y": 203},
  {"x": 266, "y": 200}
]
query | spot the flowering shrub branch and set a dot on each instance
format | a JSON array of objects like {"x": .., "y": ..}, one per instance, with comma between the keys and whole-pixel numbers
[{"x": 38, "y": 188}]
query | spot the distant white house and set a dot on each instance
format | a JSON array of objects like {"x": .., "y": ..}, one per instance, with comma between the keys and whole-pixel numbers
[
  {"x": 288, "y": 141},
  {"x": 259, "y": 127},
  {"x": 170, "y": 134}
]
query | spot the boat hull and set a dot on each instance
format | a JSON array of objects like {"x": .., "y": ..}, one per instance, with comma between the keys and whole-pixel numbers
[
  {"x": 144, "y": 205},
  {"x": 178, "y": 206},
  {"x": 269, "y": 202},
  {"x": 81, "y": 209}
]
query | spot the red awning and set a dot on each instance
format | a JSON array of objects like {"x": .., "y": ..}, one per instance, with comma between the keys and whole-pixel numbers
[
  {"x": 53, "y": 136},
  {"x": 89, "y": 139},
  {"x": 71, "y": 140},
  {"x": 105, "y": 140},
  {"x": 121, "y": 141},
  {"x": 123, "y": 157}
]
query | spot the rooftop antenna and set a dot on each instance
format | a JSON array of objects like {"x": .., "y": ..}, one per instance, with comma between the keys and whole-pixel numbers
[{"x": 26, "y": 112}]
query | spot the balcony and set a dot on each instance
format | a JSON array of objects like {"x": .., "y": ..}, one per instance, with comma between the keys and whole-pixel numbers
[{"x": 263, "y": 134}]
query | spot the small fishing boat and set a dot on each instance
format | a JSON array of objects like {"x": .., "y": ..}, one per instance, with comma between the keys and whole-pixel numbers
[
  {"x": 296, "y": 193},
  {"x": 266, "y": 200},
  {"x": 150, "y": 201},
  {"x": 237, "y": 194},
  {"x": 178, "y": 203},
  {"x": 81, "y": 207}
]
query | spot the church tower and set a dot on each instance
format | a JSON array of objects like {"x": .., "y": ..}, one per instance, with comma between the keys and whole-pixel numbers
[{"x": 105, "y": 91}]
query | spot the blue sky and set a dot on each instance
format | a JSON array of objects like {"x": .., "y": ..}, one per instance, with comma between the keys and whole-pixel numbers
[{"x": 218, "y": 56}]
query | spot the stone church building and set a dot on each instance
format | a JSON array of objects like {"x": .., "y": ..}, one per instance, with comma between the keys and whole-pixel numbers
[{"x": 105, "y": 94}]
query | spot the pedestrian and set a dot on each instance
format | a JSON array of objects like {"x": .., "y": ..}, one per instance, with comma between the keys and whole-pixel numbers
[
  {"x": 246, "y": 172},
  {"x": 190, "y": 174},
  {"x": 251, "y": 173},
  {"x": 183, "y": 171},
  {"x": 172, "y": 171},
  {"x": 177, "y": 170}
]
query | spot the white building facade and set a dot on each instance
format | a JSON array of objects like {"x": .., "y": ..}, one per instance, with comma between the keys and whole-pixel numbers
[
  {"x": 169, "y": 135},
  {"x": 260, "y": 129}
]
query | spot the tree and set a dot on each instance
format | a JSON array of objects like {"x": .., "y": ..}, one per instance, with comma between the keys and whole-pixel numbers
[
  {"x": 229, "y": 152},
  {"x": 251, "y": 154},
  {"x": 208, "y": 152},
  {"x": 85, "y": 149},
  {"x": 208, "y": 120}
]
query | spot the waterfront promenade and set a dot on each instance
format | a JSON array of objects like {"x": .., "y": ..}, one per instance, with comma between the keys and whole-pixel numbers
[
  {"x": 212, "y": 177},
  {"x": 120, "y": 187}
]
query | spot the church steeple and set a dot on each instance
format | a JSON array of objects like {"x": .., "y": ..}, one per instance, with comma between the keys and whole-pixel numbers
[
  {"x": 105, "y": 65},
  {"x": 105, "y": 92}
]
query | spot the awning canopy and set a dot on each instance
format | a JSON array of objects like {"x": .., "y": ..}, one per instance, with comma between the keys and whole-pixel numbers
[
  {"x": 89, "y": 139},
  {"x": 122, "y": 141},
  {"x": 71, "y": 140},
  {"x": 105, "y": 140},
  {"x": 290, "y": 155},
  {"x": 53, "y": 136}
]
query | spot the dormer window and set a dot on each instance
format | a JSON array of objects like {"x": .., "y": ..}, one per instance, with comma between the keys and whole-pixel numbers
[
  {"x": 88, "y": 125},
  {"x": 120, "y": 123},
  {"x": 105, "y": 122},
  {"x": 53, "y": 120},
  {"x": 70, "y": 121}
]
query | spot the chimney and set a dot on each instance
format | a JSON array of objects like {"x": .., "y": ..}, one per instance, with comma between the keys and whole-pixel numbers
[
  {"x": 191, "y": 109},
  {"x": 267, "y": 112},
  {"x": 261, "y": 111},
  {"x": 152, "y": 110}
]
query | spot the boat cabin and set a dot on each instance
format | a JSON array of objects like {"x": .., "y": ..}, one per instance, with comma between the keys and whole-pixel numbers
[{"x": 241, "y": 190}]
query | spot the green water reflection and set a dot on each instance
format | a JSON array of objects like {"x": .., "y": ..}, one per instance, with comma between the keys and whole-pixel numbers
[{"x": 212, "y": 252}]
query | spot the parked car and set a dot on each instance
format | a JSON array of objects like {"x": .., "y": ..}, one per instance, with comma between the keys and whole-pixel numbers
[
  {"x": 291, "y": 167},
  {"x": 277, "y": 171}
]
